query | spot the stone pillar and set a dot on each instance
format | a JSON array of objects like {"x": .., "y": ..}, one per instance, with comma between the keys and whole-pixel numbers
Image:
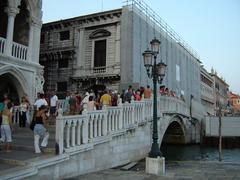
[
  {"x": 12, "y": 12},
  {"x": 81, "y": 45},
  {"x": 35, "y": 41},
  {"x": 30, "y": 42},
  {"x": 155, "y": 165},
  {"x": 117, "y": 50}
]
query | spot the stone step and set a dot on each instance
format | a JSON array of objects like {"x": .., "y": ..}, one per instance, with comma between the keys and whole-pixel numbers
[{"x": 19, "y": 160}]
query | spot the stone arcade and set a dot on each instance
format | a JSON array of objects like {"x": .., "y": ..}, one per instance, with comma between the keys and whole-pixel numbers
[{"x": 20, "y": 26}]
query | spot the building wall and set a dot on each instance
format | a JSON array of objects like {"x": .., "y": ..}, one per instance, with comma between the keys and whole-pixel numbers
[
  {"x": 207, "y": 91},
  {"x": 80, "y": 74},
  {"x": 221, "y": 93},
  {"x": 140, "y": 31}
]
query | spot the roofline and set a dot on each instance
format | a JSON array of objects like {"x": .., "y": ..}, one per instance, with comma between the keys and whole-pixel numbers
[{"x": 119, "y": 10}]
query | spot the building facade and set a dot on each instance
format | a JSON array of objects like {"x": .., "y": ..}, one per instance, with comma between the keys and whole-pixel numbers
[
  {"x": 235, "y": 102},
  {"x": 221, "y": 93},
  {"x": 104, "y": 50},
  {"x": 20, "y": 26},
  {"x": 207, "y": 92}
]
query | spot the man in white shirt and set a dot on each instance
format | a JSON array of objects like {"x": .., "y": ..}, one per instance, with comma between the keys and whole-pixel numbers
[
  {"x": 53, "y": 104},
  {"x": 41, "y": 101}
]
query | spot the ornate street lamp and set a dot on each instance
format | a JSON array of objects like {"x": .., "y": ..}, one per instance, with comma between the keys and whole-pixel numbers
[{"x": 156, "y": 72}]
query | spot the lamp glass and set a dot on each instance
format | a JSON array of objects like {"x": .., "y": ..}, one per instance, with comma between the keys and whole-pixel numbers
[
  {"x": 161, "y": 69},
  {"x": 155, "y": 45},
  {"x": 147, "y": 58}
]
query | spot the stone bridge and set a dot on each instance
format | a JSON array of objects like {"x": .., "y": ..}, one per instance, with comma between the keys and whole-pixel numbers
[{"x": 112, "y": 137}]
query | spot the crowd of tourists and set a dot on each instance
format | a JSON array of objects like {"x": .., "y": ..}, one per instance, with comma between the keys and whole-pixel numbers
[{"x": 46, "y": 106}]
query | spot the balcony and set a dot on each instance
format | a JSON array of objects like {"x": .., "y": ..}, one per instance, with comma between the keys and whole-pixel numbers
[
  {"x": 18, "y": 51},
  {"x": 98, "y": 70}
]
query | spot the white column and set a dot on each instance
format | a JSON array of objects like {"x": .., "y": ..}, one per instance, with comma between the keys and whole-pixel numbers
[
  {"x": 30, "y": 42},
  {"x": 12, "y": 12},
  {"x": 36, "y": 30}
]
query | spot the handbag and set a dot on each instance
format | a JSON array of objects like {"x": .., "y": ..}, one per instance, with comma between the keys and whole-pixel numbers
[{"x": 32, "y": 125}]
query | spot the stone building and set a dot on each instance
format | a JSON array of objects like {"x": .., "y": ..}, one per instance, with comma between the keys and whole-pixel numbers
[
  {"x": 207, "y": 91},
  {"x": 20, "y": 71},
  {"x": 104, "y": 50},
  {"x": 235, "y": 102},
  {"x": 221, "y": 91}
]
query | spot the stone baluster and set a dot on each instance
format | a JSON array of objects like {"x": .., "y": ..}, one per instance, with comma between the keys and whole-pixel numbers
[
  {"x": 68, "y": 134},
  {"x": 85, "y": 125},
  {"x": 95, "y": 120},
  {"x": 79, "y": 136},
  {"x": 91, "y": 128},
  {"x": 121, "y": 119},
  {"x": 99, "y": 121},
  {"x": 59, "y": 132},
  {"x": 132, "y": 107},
  {"x": 104, "y": 123},
  {"x": 114, "y": 121},
  {"x": 73, "y": 134}
]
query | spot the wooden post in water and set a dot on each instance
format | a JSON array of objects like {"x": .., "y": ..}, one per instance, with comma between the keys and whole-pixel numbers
[{"x": 220, "y": 132}]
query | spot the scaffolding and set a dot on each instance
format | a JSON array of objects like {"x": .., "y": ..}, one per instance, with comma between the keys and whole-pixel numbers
[{"x": 160, "y": 23}]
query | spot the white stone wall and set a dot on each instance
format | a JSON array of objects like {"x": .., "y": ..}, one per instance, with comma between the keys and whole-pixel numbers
[{"x": 230, "y": 126}]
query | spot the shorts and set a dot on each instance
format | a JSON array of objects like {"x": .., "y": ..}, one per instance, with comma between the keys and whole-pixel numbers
[
  {"x": 6, "y": 133},
  {"x": 39, "y": 129},
  {"x": 53, "y": 109}
]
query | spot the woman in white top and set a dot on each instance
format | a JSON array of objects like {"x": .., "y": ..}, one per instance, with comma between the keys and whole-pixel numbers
[{"x": 23, "y": 112}]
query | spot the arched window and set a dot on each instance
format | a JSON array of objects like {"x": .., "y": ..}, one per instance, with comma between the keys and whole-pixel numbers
[
  {"x": 4, "y": 18},
  {"x": 21, "y": 26}
]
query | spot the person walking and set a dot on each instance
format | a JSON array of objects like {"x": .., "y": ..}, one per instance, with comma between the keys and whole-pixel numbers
[
  {"x": 24, "y": 106},
  {"x": 53, "y": 104},
  {"x": 40, "y": 129},
  {"x": 6, "y": 127}
]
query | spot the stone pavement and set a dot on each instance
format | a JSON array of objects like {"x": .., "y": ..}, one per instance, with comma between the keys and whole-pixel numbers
[{"x": 179, "y": 170}]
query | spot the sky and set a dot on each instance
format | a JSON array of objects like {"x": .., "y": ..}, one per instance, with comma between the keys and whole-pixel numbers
[{"x": 210, "y": 27}]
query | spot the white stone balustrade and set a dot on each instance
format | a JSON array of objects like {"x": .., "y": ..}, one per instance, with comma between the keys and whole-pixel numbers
[
  {"x": 19, "y": 51},
  {"x": 73, "y": 133},
  {"x": 2, "y": 45}
]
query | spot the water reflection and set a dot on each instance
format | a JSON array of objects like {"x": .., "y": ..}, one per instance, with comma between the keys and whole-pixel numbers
[{"x": 196, "y": 152}]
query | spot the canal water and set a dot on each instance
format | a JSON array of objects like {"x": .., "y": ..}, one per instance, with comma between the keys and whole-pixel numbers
[{"x": 200, "y": 153}]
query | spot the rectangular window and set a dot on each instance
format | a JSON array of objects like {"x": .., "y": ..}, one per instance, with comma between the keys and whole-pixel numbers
[
  {"x": 64, "y": 35},
  {"x": 62, "y": 86},
  {"x": 100, "y": 53},
  {"x": 177, "y": 72},
  {"x": 63, "y": 63}
]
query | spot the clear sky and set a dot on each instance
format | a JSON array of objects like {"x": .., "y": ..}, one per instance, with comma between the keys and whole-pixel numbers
[{"x": 210, "y": 27}]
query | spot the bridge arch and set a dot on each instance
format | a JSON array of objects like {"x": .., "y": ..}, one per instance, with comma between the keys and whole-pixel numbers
[
  {"x": 12, "y": 82},
  {"x": 175, "y": 131}
]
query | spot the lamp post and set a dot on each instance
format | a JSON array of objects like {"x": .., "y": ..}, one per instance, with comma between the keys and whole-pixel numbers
[{"x": 156, "y": 72}]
